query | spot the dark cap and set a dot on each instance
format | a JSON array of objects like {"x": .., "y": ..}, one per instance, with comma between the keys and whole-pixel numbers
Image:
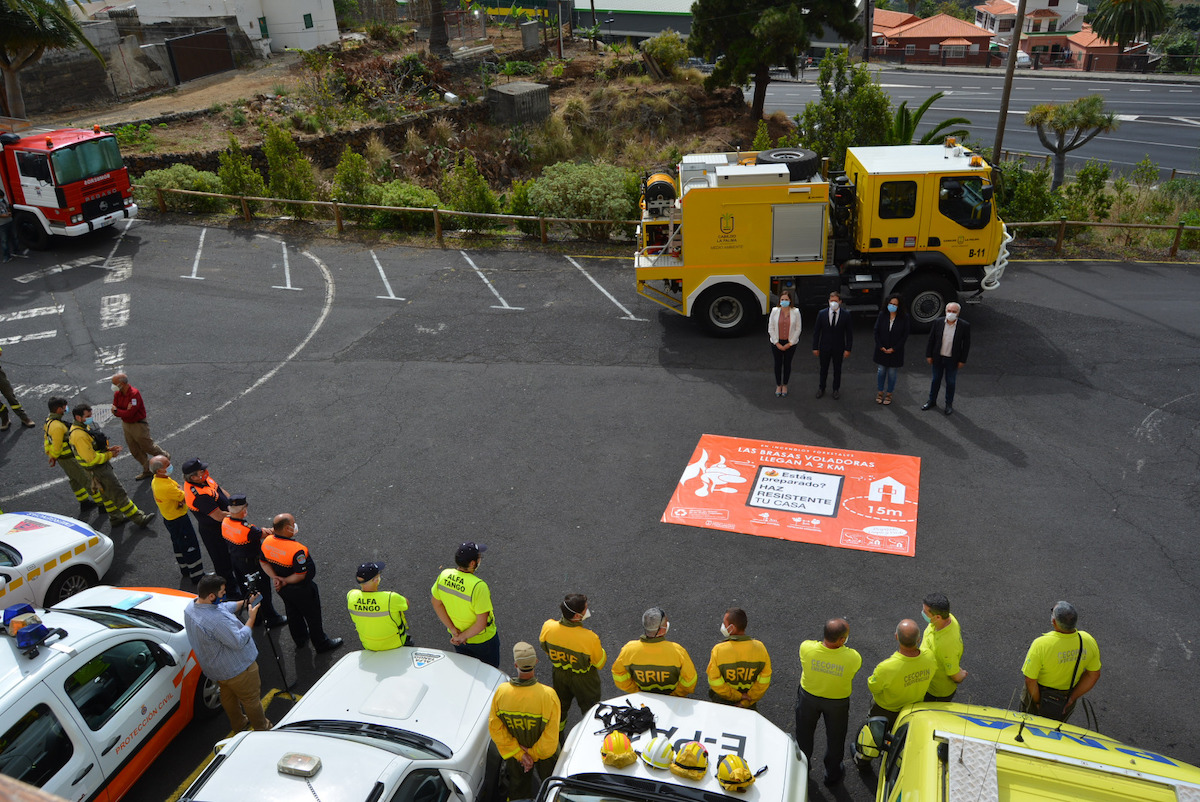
[
  {"x": 468, "y": 552},
  {"x": 237, "y": 500},
  {"x": 194, "y": 465},
  {"x": 368, "y": 571}
]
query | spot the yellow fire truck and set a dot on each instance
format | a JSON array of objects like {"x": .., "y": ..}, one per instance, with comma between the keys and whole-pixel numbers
[{"x": 918, "y": 220}]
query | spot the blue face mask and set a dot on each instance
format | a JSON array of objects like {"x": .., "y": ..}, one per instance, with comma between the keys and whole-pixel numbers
[
  {"x": 170, "y": 470},
  {"x": 925, "y": 616},
  {"x": 88, "y": 420},
  {"x": 221, "y": 599},
  {"x": 893, "y": 308},
  {"x": 785, "y": 303}
]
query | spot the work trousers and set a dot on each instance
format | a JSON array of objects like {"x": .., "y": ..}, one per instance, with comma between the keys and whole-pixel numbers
[
  {"x": 6, "y": 390},
  {"x": 241, "y": 697},
  {"x": 520, "y": 782},
  {"x": 783, "y": 363},
  {"x": 583, "y": 688},
  {"x": 829, "y": 357},
  {"x": 141, "y": 445},
  {"x": 486, "y": 652},
  {"x": 116, "y": 501},
  {"x": 836, "y": 712},
  {"x": 77, "y": 477},
  {"x": 218, "y": 554},
  {"x": 947, "y": 367},
  {"x": 187, "y": 547},
  {"x": 890, "y": 715},
  {"x": 302, "y": 603},
  {"x": 8, "y": 238},
  {"x": 243, "y": 566}
]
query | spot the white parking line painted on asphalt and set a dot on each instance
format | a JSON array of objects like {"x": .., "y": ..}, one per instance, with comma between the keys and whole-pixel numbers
[
  {"x": 25, "y": 314},
  {"x": 287, "y": 272},
  {"x": 119, "y": 269},
  {"x": 21, "y": 338},
  {"x": 196, "y": 261},
  {"x": 628, "y": 315},
  {"x": 114, "y": 311},
  {"x": 391, "y": 296},
  {"x": 43, "y": 390},
  {"x": 330, "y": 292},
  {"x": 54, "y": 269},
  {"x": 1139, "y": 90},
  {"x": 478, "y": 272}
]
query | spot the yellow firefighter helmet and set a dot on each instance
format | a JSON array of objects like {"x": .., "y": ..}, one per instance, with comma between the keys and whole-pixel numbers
[
  {"x": 733, "y": 774},
  {"x": 691, "y": 761},
  {"x": 617, "y": 751}
]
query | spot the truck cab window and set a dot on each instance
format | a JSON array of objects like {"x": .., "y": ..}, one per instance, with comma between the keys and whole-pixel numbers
[
  {"x": 897, "y": 200},
  {"x": 963, "y": 199},
  {"x": 34, "y": 165}
]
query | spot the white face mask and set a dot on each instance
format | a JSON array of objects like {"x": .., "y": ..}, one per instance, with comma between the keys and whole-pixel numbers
[
  {"x": 952, "y": 316},
  {"x": 116, "y": 388},
  {"x": 295, "y": 529},
  {"x": 833, "y": 306},
  {"x": 587, "y": 613},
  {"x": 666, "y": 628},
  {"x": 724, "y": 630}
]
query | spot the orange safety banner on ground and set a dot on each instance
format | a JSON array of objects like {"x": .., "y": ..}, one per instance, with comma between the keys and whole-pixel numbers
[{"x": 830, "y": 496}]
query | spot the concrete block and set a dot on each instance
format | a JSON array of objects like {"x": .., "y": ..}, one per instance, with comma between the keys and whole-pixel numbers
[{"x": 519, "y": 102}]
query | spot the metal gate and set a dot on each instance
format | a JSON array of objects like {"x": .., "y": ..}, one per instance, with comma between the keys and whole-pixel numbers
[{"x": 199, "y": 54}]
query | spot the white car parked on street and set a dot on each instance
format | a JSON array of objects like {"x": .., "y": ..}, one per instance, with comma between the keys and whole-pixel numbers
[
  {"x": 403, "y": 725},
  {"x": 44, "y": 557}
]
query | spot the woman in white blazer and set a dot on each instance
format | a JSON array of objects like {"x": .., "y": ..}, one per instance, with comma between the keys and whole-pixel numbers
[{"x": 783, "y": 327}]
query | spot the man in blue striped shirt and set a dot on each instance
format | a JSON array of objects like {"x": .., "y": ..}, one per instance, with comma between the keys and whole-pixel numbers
[{"x": 226, "y": 652}]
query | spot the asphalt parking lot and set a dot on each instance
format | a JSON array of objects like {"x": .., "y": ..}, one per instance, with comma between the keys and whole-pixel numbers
[{"x": 399, "y": 401}]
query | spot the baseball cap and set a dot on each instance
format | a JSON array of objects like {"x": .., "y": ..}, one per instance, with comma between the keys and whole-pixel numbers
[
  {"x": 652, "y": 619},
  {"x": 468, "y": 552},
  {"x": 368, "y": 571},
  {"x": 237, "y": 500},
  {"x": 524, "y": 656},
  {"x": 193, "y": 465}
]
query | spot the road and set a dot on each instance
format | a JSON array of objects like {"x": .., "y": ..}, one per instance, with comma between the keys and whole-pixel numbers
[
  {"x": 1159, "y": 119},
  {"x": 400, "y": 401}
]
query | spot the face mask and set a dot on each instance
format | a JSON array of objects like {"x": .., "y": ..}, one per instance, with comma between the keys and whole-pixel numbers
[
  {"x": 785, "y": 303},
  {"x": 295, "y": 529},
  {"x": 666, "y": 628},
  {"x": 833, "y": 306},
  {"x": 221, "y": 599},
  {"x": 587, "y": 613},
  {"x": 893, "y": 308},
  {"x": 724, "y": 630},
  {"x": 170, "y": 470},
  {"x": 88, "y": 420},
  {"x": 116, "y": 388},
  {"x": 925, "y": 615},
  {"x": 952, "y": 316}
]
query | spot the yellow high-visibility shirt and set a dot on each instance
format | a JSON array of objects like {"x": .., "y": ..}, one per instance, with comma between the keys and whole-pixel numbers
[
  {"x": 739, "y": 664},
  {"x": 524, "y": 715},
  {"x": 572, "y": 646},
  {"x": 84, "y": 448},
  {"x": 901, "y": 680},
  {"x": 828, "y": 673},
  {"x": 946, "y": 646},
  {"x": 465, "y": 597},
  {"x": 655, "y": 665},
  {"x": 379, "y": 618},
  {"x": 1051, "y": 659}
]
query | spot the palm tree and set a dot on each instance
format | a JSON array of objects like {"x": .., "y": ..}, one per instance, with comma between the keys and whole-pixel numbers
[
  {"x": 1125, "y": 21},
  {"x": 1069, "y": 126},
  {"x": 905, "y": 122},
  {"x": 28, "y": 28}
]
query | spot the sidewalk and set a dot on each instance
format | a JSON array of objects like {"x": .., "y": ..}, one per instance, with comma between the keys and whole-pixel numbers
[{"x": 1044, "y": 72}]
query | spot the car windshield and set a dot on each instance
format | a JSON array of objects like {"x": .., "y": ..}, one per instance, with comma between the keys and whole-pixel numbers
[
  {"x": 408, "y": 744},
  {"x": 618, "y": 788},
  {"x": 113, "y": 618},
  {"x": 86, "y": 160}
]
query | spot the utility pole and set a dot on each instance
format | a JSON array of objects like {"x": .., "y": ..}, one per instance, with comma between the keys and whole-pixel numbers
[{"x": 1010, "y": 68}]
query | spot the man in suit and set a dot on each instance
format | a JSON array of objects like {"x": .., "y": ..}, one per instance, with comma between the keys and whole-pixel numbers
[
  {"x": 832, "y": 340},
  {"x": 946, "y": 350}
]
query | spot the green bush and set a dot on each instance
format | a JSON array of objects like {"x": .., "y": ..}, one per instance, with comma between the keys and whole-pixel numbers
[
  {"x": 1085, "y": 197},
  {"x": 465, "y": 190},
  {"x": 762, "y": 137},
  {"x": 182, "y": 176},
  {"x": 135, "y": 136},
  {"x": 668, "y": 49},
  {"x": 291, "y": 174},
  {"x": 353, "y": 183},
  {"x": 1190, "y": 239},
  {"x": 238, "y": 176},
  {"x": 1023, "y": 195},
  {"x": 402, "y": 193},
  {"x": 519, "y": 203},
  {"x": 585, "y": 191}
]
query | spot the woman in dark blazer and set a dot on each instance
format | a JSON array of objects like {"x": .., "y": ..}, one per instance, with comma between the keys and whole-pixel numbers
[{"x": 891, "y": 331}]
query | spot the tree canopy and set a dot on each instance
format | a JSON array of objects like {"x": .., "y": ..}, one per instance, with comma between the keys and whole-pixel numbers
[
  {"x": 1068, "y": 126},
  {"x": 1125, "y": 21},
  {"x": 751, "y": 36},
  {"x": 853, "y": 110},
  {"x": 28, "y": 28},
  {"x": 905, "y": 124}
]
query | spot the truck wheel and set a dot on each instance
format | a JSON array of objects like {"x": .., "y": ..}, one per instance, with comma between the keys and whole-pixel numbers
[
  {"x": 801, "y": 162},
  {"x": 726, "y": 310},
  {"x": 927, "y": 298},
  {"x": 30, "y": 233}
]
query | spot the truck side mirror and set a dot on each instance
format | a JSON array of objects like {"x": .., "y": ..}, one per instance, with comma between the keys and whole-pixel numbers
[{"x": 987, "y": 192}]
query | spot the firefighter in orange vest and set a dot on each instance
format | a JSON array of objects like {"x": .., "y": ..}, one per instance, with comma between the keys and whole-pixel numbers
[
  {"x": 210, "y": 504},
  {"x": 244, "y": 543},
  {"x": 293, "y": 575}
]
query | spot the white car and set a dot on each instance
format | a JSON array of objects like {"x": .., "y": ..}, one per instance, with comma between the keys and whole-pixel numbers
[
  {"x": 581, "y": 775},
  {"x": 44, "y": 557},
  {"x": 88, "y": 709},
  {"x": 403, "y": 725}
]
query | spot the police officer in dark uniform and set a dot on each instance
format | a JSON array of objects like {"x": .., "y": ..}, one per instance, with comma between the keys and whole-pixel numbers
[
  {"x": 210, "y": 504},
  {"x": 244, "y": 542},
  {"x": 293, "y": 573}
]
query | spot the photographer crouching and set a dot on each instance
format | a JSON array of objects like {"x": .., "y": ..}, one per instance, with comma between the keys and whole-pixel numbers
[{"x": 225, "y": 650}]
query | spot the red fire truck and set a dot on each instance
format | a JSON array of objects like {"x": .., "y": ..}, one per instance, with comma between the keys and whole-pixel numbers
[{"x": 66, "y": 182}]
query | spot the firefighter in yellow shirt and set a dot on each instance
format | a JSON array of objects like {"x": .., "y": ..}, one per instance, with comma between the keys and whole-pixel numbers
[
  {"x": 654, "y": 664},
  {"x": 92, "y": 452},
  {"x": 58, "y": 450},
  {"x": 903, "y": 678},
  {"x": 739, "y": 669},
  {"x": 524, "y": 725},
  {"x": 378, "y": 615},
  {"x": 577, "y": 657}
]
